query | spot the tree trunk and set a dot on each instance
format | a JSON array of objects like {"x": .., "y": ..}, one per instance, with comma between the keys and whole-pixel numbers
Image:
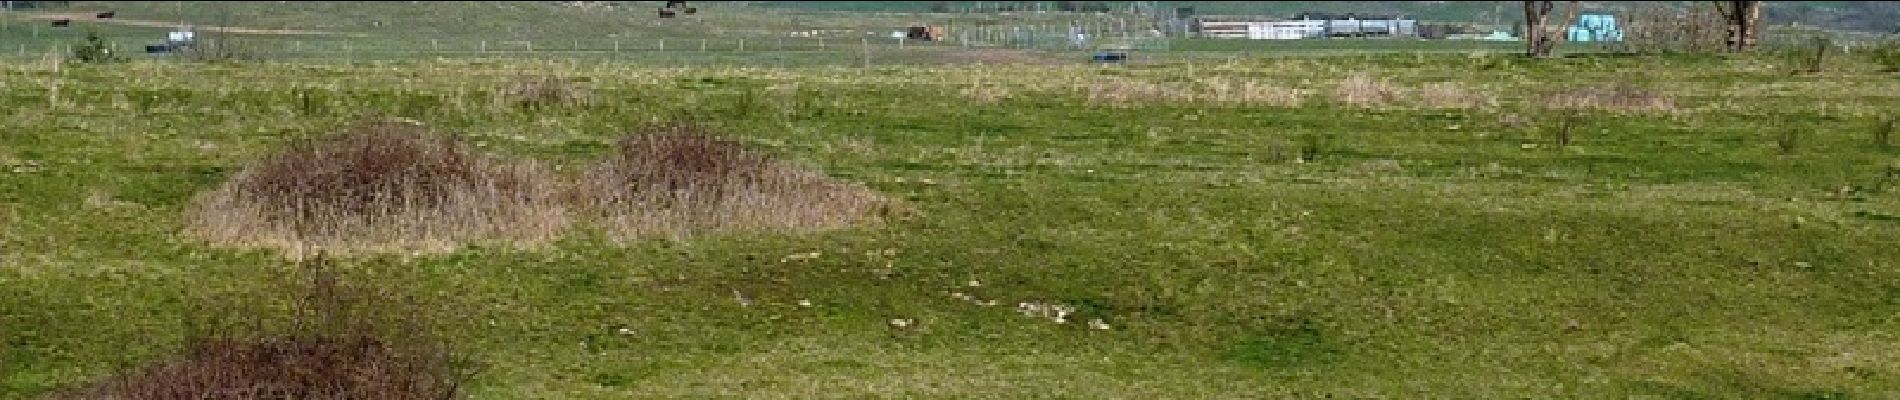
[
  {"x": 1744, "y": 23},
  {"x": 1534, "y": 13},
  {"x": 1538, "y": 34}
]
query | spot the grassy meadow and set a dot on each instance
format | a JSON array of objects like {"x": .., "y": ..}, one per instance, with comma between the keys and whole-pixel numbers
[{"x": 1377, "y": 225}]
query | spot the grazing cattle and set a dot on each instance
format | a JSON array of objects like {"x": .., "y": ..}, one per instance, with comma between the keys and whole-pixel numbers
[
  {"x": 106, "y": 15},
  {"x": 62, "y": 22}
]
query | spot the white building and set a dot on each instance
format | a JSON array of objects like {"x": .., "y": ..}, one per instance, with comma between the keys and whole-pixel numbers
[
  {"x": 1261, "y": 29},
  {"x": 1304, "y": 26}
]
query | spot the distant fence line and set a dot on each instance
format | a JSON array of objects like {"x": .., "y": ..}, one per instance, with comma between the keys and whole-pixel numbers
[{"x": 322, "y": 46}]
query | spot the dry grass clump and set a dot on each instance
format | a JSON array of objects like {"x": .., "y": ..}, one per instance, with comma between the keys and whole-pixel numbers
[
  {"x": 1365, "y": 91},
  {"x": 1622, "y": 97},
  {"x": 1450, "y": 95},
  {"x": 379, "y": 187},
  {"x": 678, "y": 180},
  {"x": 1251, "y": 92},
  {"x": 543, "y": 92},
  {"x": 985, "y": 94},
  {"x": 1118, "y": 92},
  {"x": 1217, "y": 91}
]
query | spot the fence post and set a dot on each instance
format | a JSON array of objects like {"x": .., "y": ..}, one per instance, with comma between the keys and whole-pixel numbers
[
  {"x": 900, "y": 43},
  {"x": 662, "y": 44},
  {"x": 616, "y": 45},
  {"x": 702, "y": 45},
  {"x": 435, "y": 46},
  {"x": 741, "y": 44},
  {"x": 821, "y": 44},
  {"x": 866, "y": 43},
  {"x": 530, "y": 45},
  {"x": 484, "y": 48}
]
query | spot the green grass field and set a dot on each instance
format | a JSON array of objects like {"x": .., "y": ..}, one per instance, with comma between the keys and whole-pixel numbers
[
  {"x": 1421, "y": 252},
  {"x": 1399, "y": 219}
]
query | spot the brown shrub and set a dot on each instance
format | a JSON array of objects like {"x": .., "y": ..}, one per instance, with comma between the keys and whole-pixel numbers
[
  {"x": 378, "y": 187},
  {"x": 1622, "y": 97},
  {"x": 346, "y": 341},
  {"x": 678, "y": 180},
  {"x": 313, "y": 367}
]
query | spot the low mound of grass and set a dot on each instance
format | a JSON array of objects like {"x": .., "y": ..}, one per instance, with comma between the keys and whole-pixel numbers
[
  {"x": 678, "y": 180},
  {"x": 381, "y": 186}
]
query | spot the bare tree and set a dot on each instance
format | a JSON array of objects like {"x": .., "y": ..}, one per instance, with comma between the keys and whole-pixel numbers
[{"x": 1538, "y": 34}]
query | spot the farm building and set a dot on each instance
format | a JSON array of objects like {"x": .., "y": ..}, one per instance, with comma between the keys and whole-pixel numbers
[{"x": 1595, "y": 27}]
